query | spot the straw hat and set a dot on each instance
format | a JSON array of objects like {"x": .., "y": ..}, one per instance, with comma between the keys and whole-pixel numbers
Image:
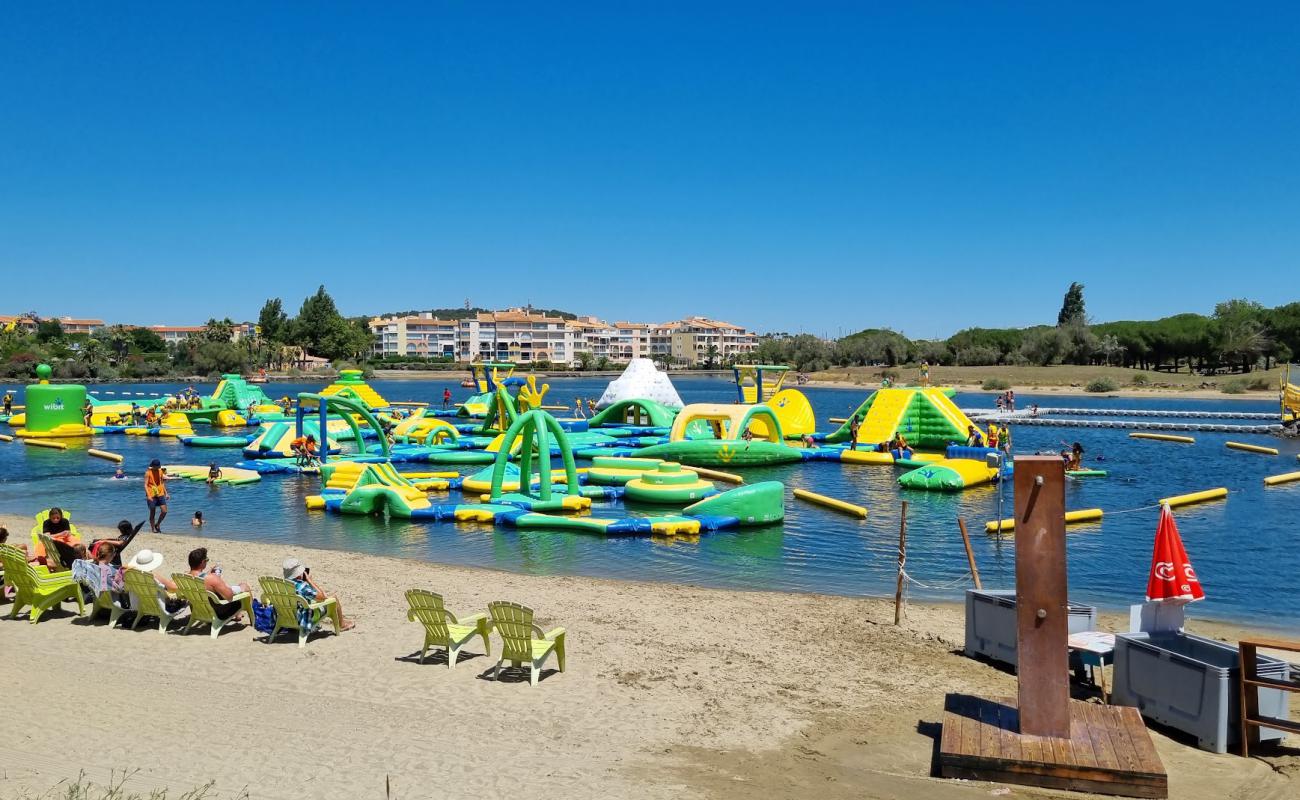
[
  {"x": 293, "y": 568},
  {"x": 146, "y": 561}
]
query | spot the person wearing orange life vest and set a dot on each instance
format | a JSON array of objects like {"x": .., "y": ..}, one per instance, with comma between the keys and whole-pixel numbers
[{"x": 156, "y": 495}]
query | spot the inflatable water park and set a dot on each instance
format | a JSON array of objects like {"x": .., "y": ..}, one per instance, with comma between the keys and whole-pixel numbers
[{"x": 645, "y": 463}]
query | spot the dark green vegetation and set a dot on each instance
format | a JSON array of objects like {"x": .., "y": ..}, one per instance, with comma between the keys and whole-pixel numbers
[
  {"x": 1240, "y": 336},
  {"x": 127, "y": 352}
]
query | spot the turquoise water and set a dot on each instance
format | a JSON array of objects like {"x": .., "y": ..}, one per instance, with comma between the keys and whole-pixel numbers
[{"x": 1245, "y": 549}]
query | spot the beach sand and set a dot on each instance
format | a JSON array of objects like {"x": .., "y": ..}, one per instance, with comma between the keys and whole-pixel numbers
[{"x": 671, "y": 692}]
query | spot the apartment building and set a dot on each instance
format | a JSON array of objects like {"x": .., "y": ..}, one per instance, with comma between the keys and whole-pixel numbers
[
  {"x": 694, "y": 341},
  {"x": 523, "y": 336},
  {"x": 422, "y": 335},
  {"x": 70, "y": 324},
  {"x": 173, "y": 334}
]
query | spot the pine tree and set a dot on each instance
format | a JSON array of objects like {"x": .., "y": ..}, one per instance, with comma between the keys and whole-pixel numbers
[{"x": 1072, "y": 306}]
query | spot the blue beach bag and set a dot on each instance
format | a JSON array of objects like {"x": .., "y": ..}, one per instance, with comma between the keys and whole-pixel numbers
[{"x": 263, "y": 617}]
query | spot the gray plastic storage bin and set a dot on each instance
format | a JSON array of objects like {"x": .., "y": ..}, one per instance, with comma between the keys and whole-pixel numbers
[
  {"x": 991, "y": 623},
  {"x": 1190, "y": 683}
]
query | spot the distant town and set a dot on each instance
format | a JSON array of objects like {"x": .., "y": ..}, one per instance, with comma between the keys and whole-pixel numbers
[{"x": 520, "y": 335}]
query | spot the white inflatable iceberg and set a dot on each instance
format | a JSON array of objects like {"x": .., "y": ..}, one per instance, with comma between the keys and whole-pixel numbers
[{"x": 641, "y": 381}]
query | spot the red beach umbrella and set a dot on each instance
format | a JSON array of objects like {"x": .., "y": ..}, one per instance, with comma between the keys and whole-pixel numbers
[{"x": 1172, "y": 577}]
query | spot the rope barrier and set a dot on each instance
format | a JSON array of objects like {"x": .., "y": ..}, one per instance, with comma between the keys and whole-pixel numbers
[{"x": 950, "y": 584}]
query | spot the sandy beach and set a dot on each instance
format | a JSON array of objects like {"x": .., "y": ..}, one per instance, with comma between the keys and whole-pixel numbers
[{"x": 671, "y": 691}]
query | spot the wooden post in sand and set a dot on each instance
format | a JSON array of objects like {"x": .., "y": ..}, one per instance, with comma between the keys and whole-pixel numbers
[
  {"x": 902, "y": 562},
  {"x": 970, "y": 554},
  {"x": 1041, "y": 607}
]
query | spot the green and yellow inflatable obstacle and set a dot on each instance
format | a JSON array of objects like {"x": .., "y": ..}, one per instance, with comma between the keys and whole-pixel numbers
[
  {"x": 963, "y": 468},
  {"x": 233, "y": 393},
  {"x": 275, "y": 438},
  {"x": 351, "y": 386},
  {"x": 357, "y": 488},
  {"x": 712, "y": 435},
  {"x": 53, "y": 412},
  {"x": 668, "y": 483},
  {"x": 637, "y": 412},
  {"x": 926, "y": 417}
]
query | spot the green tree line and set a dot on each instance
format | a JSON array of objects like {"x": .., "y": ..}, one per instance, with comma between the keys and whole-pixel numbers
[
  {"x": 1239, "y": 336},
  {"x": 124, "y": 351}
]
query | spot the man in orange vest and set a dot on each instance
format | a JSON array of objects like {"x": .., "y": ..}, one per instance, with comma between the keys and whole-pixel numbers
[{"x": 156, "y": 495}]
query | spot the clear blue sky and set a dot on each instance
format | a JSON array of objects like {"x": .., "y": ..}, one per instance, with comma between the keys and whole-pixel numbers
[{"x": 787, "y": 166}]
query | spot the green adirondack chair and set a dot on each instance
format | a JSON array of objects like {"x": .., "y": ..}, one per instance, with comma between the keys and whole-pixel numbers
[
  {"x": 519, "y": 645},
  {"x": 40, "y": 523},
  {"x": 105, "y": 599},
  {"x": 441, "y": 628},
  {"x": 148, "y": 599},
  {"x": 202, "y": 603},
  {"x": 280, "y": 595},
  {"x": 40, "y": 591}
]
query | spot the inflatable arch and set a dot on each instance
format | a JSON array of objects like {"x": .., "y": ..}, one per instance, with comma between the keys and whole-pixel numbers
[
  {"x": 635, "y": 411},
  {"x": 349, "y": 409},
  {"x": 728, "y": 421},
  {"x": 534, "y": 429}
]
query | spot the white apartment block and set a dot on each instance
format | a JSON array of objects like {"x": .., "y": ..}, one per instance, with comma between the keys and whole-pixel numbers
[{"x": 523, "y": 336}]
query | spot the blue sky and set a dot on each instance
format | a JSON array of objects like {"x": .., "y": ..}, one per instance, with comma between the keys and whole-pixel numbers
[{"x": 814, "y": 167}]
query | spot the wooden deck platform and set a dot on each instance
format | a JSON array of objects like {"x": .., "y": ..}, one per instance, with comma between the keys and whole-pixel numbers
[{"x": 1109, "y": 750}]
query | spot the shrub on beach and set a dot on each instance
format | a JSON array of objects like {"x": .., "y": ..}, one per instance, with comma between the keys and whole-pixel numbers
[
  {"x": 1259, "y": 384},
  {"x": 1100, "y": 386},
  {"x": 1234, "y": 386},
  {"x": 1141, "y": 379},
  {"x": 994, "y": 385}
]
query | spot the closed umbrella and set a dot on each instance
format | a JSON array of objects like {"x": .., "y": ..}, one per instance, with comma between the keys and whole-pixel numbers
[{"x": 1172, "y": 578}]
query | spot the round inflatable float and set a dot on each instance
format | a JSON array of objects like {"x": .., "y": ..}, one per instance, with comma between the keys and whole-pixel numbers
[{"x": 669, "y": 484}]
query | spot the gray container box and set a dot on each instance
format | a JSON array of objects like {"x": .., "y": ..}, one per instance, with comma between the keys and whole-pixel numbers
[
  {"x": 991, "y": 623},
  {"x": 1191, "y": 684}
]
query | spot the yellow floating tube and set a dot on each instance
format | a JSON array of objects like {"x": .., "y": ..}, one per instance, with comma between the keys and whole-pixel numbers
[
  {"x": 675, "y": 527},
  {"x": 1285, "y": 477},
  {"x": 68, "y": 430},
  {"x": 1071, "y": 518},
  {"x": 315, "y": 502},
  {"x": 838, "y": 420},
  {"x": 415, "y": 476},
  {"x": 1251, "y": 448},
  {"x": 104, "y": 454},
  {"x": 4, "y": 437},
  {"x": 1163, "y": 437},
  {"x": 852, "y": 509},
  {"x": 50, "y": 443},
  {"x": 725, "y": 477},
  {"x": 1195, "y": 497}
]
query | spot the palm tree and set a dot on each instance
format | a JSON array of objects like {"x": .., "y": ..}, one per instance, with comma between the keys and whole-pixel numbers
[{"x": 711, "y": 354}]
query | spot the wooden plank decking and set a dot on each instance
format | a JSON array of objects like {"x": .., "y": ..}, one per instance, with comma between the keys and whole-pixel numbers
[{"x": 1109, "y": 750}]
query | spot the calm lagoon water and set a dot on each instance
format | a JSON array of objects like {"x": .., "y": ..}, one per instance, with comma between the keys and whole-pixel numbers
[{"x": 1246, "y": 550}]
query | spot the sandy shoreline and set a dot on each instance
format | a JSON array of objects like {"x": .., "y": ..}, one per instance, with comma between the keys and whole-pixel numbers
[{"x": 671, "y": 691}]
